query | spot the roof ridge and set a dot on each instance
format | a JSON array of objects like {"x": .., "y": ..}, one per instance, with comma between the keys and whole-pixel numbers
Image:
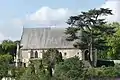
[
  {"x": 38, "y": 27},
  {"x": 45, "y": 28}
]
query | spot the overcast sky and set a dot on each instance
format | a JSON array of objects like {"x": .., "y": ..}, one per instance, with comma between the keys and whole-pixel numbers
[{"x": 15, "y": 14}]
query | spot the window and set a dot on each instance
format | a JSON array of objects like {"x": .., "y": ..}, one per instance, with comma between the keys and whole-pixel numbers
[
  {"x": 31, "y": 54},
  {"x": 24, "y": 64},
  {"x": 65, "y": 54},
  {"x": 36, "y": 54},
  {"x": 87, "y": 55}
]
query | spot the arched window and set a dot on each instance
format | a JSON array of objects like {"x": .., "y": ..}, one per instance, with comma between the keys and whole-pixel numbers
[
  {"x": 31, "y": 54},
  {"x": 24, "y": 64},
  {"x": 65, "y": 54},
  {"x": 87, "y": 55},
  {"x": 36, "y": 54}
]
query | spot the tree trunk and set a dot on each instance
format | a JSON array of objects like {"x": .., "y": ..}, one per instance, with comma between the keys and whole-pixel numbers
[
  {"x": 50, "y": 70},
  {"x": 1, "y": 78}
]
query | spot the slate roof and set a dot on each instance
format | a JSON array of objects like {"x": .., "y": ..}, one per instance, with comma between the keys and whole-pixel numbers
[{"x": 38, "y": 38}]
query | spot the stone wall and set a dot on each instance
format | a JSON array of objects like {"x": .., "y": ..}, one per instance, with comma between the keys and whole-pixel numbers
[{"x": 66, "y": 53}]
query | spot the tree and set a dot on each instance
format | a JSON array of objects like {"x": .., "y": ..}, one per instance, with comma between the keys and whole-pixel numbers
[
  {"x": 103, "y": 72},
  {"x": 17, "y": 72},
  {"x": 7, "y": 53},
  {"x": 88, "y": 29},
  {"x": 8, "y": 47},
  {"x": 35, "y": 71},
  {"x": 114, "y": 41},
  {"x": 28, "y": 75},
  {"x": 50, "y": 58},
  {"x": 70, "y": 69},
  {"x": 1, "y": 49},
  {"x": 4, "y": 65}
]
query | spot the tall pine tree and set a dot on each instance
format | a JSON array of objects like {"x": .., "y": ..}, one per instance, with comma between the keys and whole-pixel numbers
[{"x": 88, "y": 29}]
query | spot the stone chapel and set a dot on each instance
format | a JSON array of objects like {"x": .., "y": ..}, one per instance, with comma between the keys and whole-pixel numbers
[{"x": 35, "y": 40}]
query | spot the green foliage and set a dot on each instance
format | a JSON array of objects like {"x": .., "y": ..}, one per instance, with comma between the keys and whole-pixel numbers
[
  {"x": 4, "y": 65},
  {"x": 114, "y": 42},
  {"x": 35, "y": 71},
  {"x": 8, "y": 47},
  {"x": 102, "y": 72},
  {"x": 7, "y": 53},
  {"x": 28, "y": 75},
  {"x": 73, "y": 69},
  {"x": 50, "y": 58},
  {"x": 70, "y": 69},
  {"x": 17, "y": 72}
]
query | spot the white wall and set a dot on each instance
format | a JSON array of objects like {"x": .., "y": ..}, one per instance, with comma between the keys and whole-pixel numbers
[{"x": 69, "y": 53}]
